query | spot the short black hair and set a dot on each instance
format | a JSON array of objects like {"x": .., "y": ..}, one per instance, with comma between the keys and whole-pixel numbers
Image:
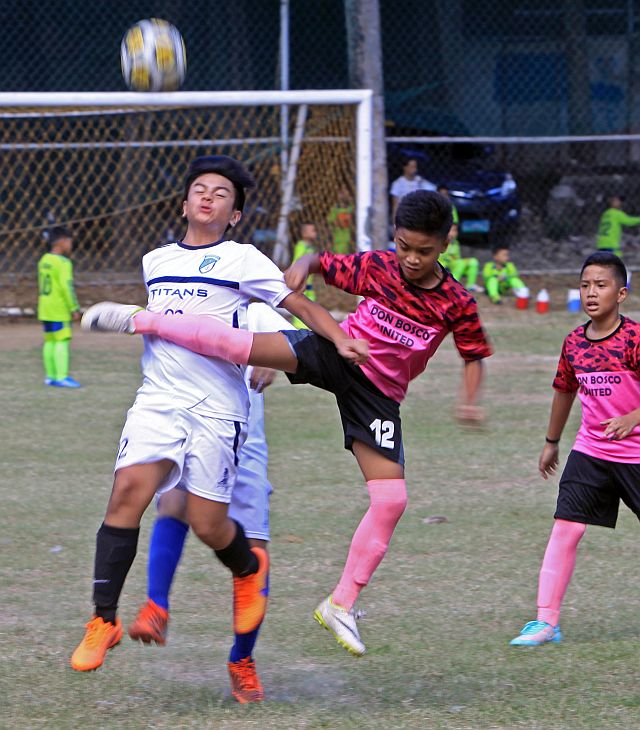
[
  {"x": 56, "y": 234},
  {"x": 228, "y": 167},
  {"x": 425, "y": 211},
  {"x": 500, "y": 247},
  {"x": 611, "y": 261}
]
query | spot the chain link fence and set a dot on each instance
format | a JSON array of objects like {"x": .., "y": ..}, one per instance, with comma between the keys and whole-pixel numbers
[
  {"x": 519, "y": 80},
  {"x": 115, "y": 176}
]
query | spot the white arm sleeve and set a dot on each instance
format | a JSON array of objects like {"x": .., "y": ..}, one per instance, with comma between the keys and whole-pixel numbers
[{"x": 262, "y": 279}]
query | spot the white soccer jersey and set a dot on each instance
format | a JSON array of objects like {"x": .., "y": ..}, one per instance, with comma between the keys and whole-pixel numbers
[{"x": 218, "y": 280}]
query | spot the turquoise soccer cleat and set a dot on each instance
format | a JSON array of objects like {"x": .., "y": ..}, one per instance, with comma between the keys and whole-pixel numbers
[
  {"x": 536, "y": 633},
  {"x": 67, "y": 382}
]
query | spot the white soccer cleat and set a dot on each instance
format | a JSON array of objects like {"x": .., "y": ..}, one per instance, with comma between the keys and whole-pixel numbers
[
  {"x": 110, "y": 317},
  {"x": 342, "y": 624}
]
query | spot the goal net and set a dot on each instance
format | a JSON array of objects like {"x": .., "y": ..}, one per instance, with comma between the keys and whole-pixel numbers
[{"x": 111, "y": 167}]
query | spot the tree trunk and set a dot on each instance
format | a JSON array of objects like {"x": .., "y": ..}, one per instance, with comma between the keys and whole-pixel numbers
[{"x": 365, "y": 72}]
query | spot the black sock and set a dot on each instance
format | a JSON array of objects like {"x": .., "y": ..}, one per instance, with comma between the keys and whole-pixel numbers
[
  {"x": 115, "y": 551},
  {"x": 237, "y": 556}
]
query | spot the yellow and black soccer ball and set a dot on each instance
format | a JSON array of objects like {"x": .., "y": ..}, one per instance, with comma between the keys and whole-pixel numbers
[{"x": 153, "y": 56}]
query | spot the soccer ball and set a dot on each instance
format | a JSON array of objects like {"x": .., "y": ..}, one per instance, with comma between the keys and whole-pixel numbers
[{"x": 153, "y": 56}]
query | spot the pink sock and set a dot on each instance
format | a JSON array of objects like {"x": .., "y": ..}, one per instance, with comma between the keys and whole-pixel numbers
[
  {"x": 557, "y": 568},
  {"x": 371, "y": 538},
  {"x": 200, "y": 333}
]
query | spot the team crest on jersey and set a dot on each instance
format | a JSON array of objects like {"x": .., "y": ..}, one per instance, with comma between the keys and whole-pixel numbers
[{"x": 208, "y": 262}]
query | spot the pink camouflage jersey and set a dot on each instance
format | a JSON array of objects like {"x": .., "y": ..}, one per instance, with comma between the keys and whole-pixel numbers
[
  {"x": 404, "y": 324},
  {"x": 606, "y": 375}
]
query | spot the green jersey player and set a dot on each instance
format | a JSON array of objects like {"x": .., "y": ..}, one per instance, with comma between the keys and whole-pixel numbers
[
  {"x": 57, "y": 306},
  {"x": 610, "y": 226}
]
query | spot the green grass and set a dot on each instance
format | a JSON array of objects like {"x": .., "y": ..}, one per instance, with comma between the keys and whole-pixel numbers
[{"x": 439, "y": 612}]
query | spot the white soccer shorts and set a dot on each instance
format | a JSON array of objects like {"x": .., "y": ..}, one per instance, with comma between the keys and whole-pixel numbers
[{"x": 204, "y": 450}]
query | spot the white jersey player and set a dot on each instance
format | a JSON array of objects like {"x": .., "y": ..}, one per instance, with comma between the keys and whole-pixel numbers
[
  {"x": 249, "y": 506},
  {"x": 189, "y": 417},
  {"x": 219, "y": 279},
  {"x": 193, "y": 409}
]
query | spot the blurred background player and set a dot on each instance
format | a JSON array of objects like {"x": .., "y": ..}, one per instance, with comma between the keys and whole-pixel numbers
[
  {"x": 600, "y": 362},
  {"x": 410, "y": 303},
  {"x": 500, "y": 275},
  {"x": 444, "y": 190},
  {"x": 305, "y": 245},
  {"x": 340, "y": 220},
  {"x": 460, "y": 268},
  {"x": 610, "y": 226},
  {"x": 57, "y": 307},
  {"x": 249, "y": 506},
  {"x": 408, "y": 182}
]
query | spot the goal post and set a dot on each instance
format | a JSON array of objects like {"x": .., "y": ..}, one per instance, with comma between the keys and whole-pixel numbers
[{"x": 111, "y": 167}]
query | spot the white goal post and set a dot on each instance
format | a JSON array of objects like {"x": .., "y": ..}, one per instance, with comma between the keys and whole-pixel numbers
[{"x": 26, "y": 106}]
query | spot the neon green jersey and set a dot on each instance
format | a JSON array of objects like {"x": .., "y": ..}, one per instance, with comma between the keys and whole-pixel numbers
[
  {"x": 56, "y": 295},
  {"x": 301, "y": 248},
  {"x": 502, "y": 273},
  {"x": 610, "y": 227},
  {"x": 454, "y": 213},
  {"x": 451, "y": 255},
  {"x": 340, "y": 219}
]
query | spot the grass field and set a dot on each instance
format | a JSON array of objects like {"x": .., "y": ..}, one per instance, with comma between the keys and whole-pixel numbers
[{"x": 439, "y": 612}]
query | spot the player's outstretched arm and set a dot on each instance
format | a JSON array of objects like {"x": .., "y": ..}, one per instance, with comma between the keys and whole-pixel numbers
[
  {"x": 468, "y": 411},
  {"x": 322, "y": 323},
  {"x": 560, "y": 409}
]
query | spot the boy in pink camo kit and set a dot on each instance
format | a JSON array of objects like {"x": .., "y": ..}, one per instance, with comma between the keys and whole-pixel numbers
[
  {"x": 410, "y": 303},
  {"x": 600, "y": 362}
]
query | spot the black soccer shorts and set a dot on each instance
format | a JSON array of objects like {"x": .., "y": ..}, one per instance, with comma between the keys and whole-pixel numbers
[
  {"x": 367, "y": 414},
  {"x": 590, "y": 490}
]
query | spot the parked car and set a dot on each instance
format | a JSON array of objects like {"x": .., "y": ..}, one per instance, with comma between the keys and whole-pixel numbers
[{"x": 486, "y": 197}]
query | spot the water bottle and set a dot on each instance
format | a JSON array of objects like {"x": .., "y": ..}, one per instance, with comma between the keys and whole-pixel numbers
[
  {"x": 522, "y": 298},
  {"x": 573, "y": 300},
  {"x": 542, "y": 302}
]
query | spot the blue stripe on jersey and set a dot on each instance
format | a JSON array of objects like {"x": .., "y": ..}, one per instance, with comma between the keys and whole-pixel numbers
[
  {"x": 235, "y": 442},
  {"x": 236, "y": 324},
  {"x": 194, "y": 280}
]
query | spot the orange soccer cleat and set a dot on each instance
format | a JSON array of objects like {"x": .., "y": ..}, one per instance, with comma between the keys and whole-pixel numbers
[
  {"x": 250, "y": 596},
  {"x": 99, "y": 638},
  {"x": 245, "y": 683},
  {"x": 150, "y": 624}
]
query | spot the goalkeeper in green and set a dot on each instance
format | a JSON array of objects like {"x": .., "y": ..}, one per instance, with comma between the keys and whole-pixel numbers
[
  {"x": 610, "y": 226},
  {"x": 57, "y": 306}
]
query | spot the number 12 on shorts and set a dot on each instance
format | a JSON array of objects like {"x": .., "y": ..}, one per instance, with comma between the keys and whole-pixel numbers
[{"x": 383, "y": 433}]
